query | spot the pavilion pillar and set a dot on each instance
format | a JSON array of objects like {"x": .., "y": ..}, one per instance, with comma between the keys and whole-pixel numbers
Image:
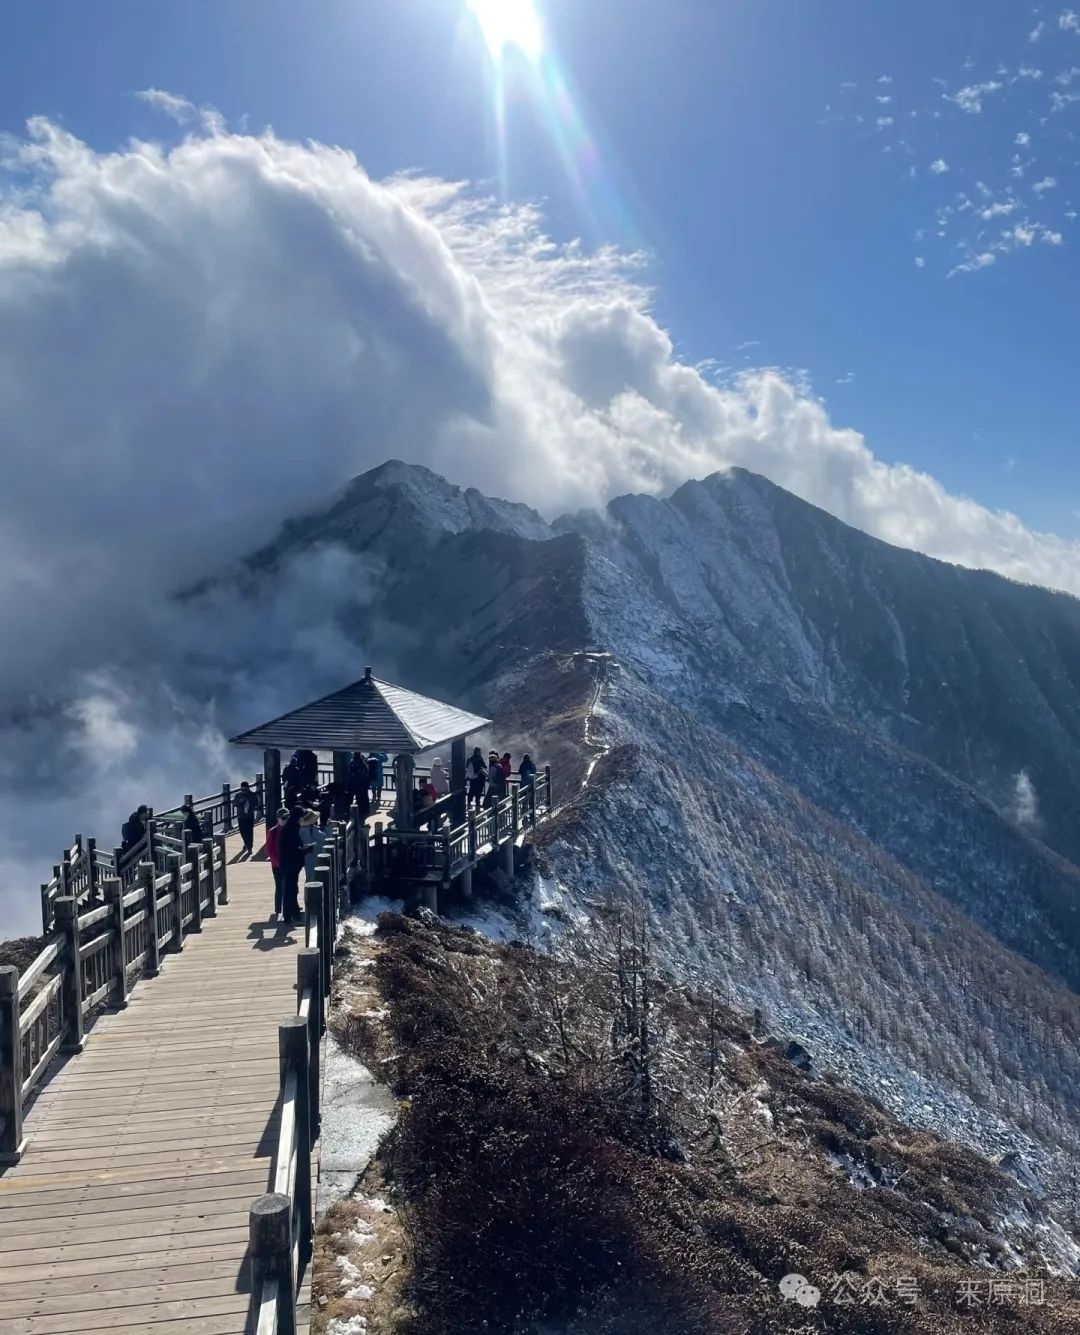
[
  {"x": 458, "y": 781},
  {"x": 271, "y": 785},
  {"x": 341, "y": 776},
  {"x": 403, "y": 792}
]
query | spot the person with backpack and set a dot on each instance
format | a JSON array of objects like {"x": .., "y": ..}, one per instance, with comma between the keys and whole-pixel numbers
[
  {"x": 134, "y": 829},
  {"x": 313, "y": 838},
  {"x": 376, "y": 761},
  {"x": 507, "y": 765},
  {"x": 244, "y": 807},
  {"x": 526, "y": 772},
  {"x": 476, "y": 772},
  {"x": 440, "y": 780}
]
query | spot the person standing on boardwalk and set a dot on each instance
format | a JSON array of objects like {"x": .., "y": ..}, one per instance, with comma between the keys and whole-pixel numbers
[
  {"x": 291, "y": 857},
  {"x": 191, "y": 830},
  {"x": 244, "y": 807},
  {"x": 440, "y": 780},
  {"x": 477, "y": 772},
  {"x": 496, "y": 780},
  {"x": 376, "y": 761},
  {"x": 273, "y": 856},
  {"x": 313, "y": 838},
  {"x": 526, "y": 772},
  {"x": 134, "y": 829}
]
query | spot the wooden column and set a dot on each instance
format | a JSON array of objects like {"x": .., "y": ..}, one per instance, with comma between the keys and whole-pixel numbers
[
  {"x": 223, "y": 887},
  {"x": 71, "y": 989},
  {"x": 270, "y": 1248},
  {"x": 147, "y": 873},
  {"x": 309, "y": 978},
  {"x": 458, "y": 780},
  {"x": 226, "y": 806},
  {"x": 403, "y": 797},
  {"x": 506, "y": 856},
  {"x": 271, "y": 785},
  {"x": 173, "y": 861},
  {"x": 192, "y": 855},
  {"x": 114, "y": 895},
  {"x": 12, "y": 1141},
  {"x": 207, "y": 847},
  {"x": 466, "y": 883}
]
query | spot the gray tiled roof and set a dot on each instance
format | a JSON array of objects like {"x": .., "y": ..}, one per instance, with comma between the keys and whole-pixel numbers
[{"x": 369, "y": 715}]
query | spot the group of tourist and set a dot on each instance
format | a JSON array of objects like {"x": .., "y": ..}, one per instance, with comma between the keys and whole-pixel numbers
[
  {"x": 487, "y": 782},
  {"x": 133, "y": 831}
]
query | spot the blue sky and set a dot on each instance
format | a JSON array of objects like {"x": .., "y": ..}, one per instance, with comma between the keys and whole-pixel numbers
[{"x": 725, "y": 138}]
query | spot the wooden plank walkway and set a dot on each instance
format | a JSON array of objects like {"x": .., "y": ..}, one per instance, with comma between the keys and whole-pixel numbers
[{"x": 128, "y": 1211}]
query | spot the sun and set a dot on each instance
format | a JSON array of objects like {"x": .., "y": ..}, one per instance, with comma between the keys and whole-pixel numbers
[{"x": 509, "y": 23}]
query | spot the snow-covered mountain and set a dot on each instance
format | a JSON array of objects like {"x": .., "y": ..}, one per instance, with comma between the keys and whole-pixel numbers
[{"x": 843, "y": 775}]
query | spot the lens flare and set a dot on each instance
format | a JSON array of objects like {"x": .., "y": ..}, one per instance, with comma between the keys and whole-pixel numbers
[{"x": 509, "y": 23}]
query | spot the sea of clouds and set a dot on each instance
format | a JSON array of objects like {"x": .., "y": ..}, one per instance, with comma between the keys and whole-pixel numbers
[{"x": 200, "y": 338}]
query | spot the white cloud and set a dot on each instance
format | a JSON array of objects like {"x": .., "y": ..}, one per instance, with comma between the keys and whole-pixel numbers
[
  {"x": 1062, "y": 101},
  {"x": 885, "y": 78},
  {"x": 920, "y": 261},
  {"x": 1023, "y": 139},
  {"x": 1023, "y": 234},
  {"x": 1047, "y": 183},
  {"x": 981, "y": 261},
  {"x": 970, "y": 99},
  {"x": 883, "y": 122},
  {"x": 999, "y": 209},
  {"x": 1067, "y": 76},
  {"x": 884, "y": 100},
  {"x": 175, "y": 107},
  {"x": 1037, "y": 31},
  {"x": 1028, "y": 72},
  {"x": 1025, "y": 803},
  {"x": 1068, "y": 21},
  {"x": 197, "y": 340},
  {"x": 939, "y": 167},
  {"x": 1051, "y": 238}
]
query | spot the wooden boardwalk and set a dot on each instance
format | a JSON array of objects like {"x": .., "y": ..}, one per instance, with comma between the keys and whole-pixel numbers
[{"x": 129, "y": 1209}]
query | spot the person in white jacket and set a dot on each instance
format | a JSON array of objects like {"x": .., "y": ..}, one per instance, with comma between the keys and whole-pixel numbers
[{"x": 440, "y": 780}]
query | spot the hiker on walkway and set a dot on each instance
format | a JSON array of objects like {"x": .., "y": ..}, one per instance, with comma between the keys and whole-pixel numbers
[
  {"x": 292, "y": 781},
  {"x": 496, "y": 780},
  {"x": 313, "y": 838},
  {"x": 356, "y": 781},
  {"x": 507, "y": 765},
  {"x": 244, "y": 806},
  {"x": 134, "y": 829},
  {"x": 423, "y": 798},
  {"x": 476, "y": 770},
  {"x": 440, "y": 780},
  {"x": 376, "y": 761},
  {"x": 291, "y": 857},
  {"x": 192, "y": 826},
  {"x": 273, "y": 854},
  {"x": 526, "y": 772}
]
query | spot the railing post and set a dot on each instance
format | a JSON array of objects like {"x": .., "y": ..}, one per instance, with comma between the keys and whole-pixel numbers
[
  {"x": 226, "y": 806},
  {"x": 148, "y": 873},
  {"x": 193, "y": 852},
  {"x": 514, "y": 810},
  {"x": 114, "y": 895},
  {"x": 294, "y": 1055},
  {"x": 270, "y": 1248},
  {"x": 313, "y": 912},
  {"x": 151, "y": 840},
  {"x": 47, "y": 917},
  {"x": 90, "y": 853},
  {"x": 208, "y": 853},
  {"x": 445, "y": 840},
  {"x": 308, "y": 974},
  {"x": 258, "y": 798},
  {"x": 71, "y": 989},
  {"x": 12, "y": 1141},
  {"x": 379, "y": 851},
  {"x": 547, "y": 785},
  {"x": 223, "y": 887},
  {"x": 176, "y": 880},
  {"x": 472, "y": 835},
  {"x": 326, "y": 940}
]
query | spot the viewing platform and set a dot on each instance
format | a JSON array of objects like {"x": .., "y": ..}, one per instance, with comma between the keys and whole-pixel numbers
[{"x": 161, "y": 1058}]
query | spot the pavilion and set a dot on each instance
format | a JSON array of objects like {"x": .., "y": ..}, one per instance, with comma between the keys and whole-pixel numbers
[{"x": 369, "y": 715}]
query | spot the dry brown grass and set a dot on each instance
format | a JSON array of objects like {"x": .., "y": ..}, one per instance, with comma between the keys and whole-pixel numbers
[{"x": 553, "y": 1166}]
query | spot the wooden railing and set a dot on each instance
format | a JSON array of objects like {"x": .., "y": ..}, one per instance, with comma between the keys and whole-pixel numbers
[
  {"x": 444, "y": 849},
  {"x": 92, "y": 959},
  {"x": 84, "y": 868},
  {"x": 281, "y": 1222}
]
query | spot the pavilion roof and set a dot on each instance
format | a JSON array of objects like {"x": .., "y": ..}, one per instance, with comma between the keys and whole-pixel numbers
[{"x": 369, "y": 715}]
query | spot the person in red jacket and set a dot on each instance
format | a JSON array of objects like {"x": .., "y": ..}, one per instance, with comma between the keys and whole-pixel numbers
[
  {"x": 273, "y": 854},
  {"x": 506, "y": 764}
]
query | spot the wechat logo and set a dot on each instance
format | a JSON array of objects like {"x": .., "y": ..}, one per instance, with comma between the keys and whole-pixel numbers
[{"x": 798, "y": 1289}]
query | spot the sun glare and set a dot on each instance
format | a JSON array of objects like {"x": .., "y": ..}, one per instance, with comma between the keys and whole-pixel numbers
[{"x": 509, "y": 23}]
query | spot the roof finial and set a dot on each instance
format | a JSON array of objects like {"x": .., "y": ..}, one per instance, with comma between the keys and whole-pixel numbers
[{"x": 367, "y": 674}]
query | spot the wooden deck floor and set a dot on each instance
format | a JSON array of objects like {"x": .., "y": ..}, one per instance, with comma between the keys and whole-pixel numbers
[{"x": 128, "y": 1211}]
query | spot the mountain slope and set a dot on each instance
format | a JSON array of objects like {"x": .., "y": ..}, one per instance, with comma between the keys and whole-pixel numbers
[{"x": 817, "y": 742}]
